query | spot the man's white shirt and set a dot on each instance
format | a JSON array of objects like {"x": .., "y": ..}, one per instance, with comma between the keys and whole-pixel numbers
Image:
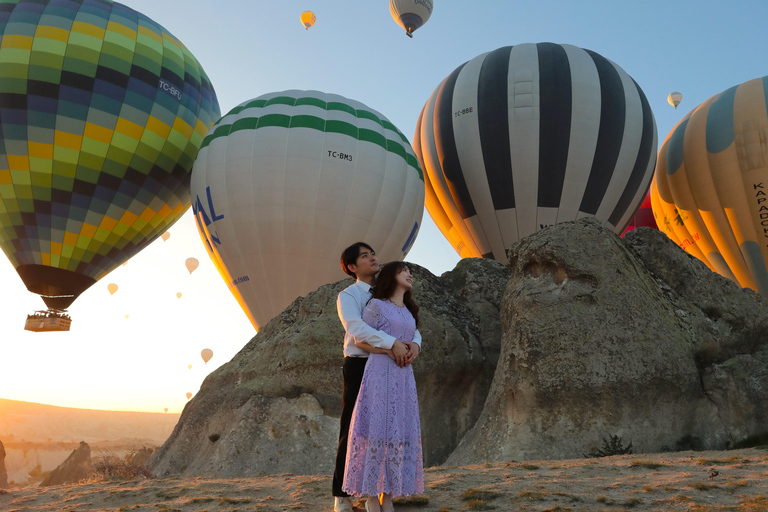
[{"x": 350, "y": 304}]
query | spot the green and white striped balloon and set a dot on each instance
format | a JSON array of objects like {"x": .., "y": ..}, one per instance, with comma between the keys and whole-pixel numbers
[{"x": 284, "y": 182}]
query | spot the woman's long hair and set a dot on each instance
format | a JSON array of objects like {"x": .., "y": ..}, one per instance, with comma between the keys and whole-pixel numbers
[{"x": 386, "y": 284}]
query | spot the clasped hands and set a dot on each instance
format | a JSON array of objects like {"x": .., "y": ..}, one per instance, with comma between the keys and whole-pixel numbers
[{"x": 402, "y": 352}]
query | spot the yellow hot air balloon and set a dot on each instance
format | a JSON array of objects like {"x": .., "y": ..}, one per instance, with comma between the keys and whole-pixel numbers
[
  {"x": 674, "y": 99},
  {"x": 710, "y": 190},
  {"x": 178, "y": 295},
  {"x": 206, "y": 354},
  {"x": 191, "y": 264},
  {"x": 165, "y": 236},
  {"x": 126, "y": 317},
  {"x": 165, "y": 409},
  {"x": 189, "y": 395},
  {"x": 189, "y": 366},
  {"x": 112, "y": 287},
  {"x": 308, "y": 19}
]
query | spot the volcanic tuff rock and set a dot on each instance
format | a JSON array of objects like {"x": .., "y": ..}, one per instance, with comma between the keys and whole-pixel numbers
[
  {"x": 77, "y": 467},
  {"x": 3, "y": 473},
  {"x": 274, "y": 407},
  {"x": 633, "y": 338}
]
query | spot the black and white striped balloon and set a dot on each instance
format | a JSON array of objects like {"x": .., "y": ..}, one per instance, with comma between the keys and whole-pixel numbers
[{"x": 531, "y": 135}]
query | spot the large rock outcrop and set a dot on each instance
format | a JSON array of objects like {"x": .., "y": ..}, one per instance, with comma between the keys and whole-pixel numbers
[
  {"x": 3, "y": 472},
  {"x": 633, "y": 338},
  {"x": 76, "y": 468},
  {"x": 274, "y": 408}
]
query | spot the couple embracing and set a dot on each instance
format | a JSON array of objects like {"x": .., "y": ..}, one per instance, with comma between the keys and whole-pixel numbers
[{"x": 379, "y": 454}]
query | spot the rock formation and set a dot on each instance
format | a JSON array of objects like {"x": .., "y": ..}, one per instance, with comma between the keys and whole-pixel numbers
[
  {"x": 274, "y": 408},
  {"x": 631, "y": 338},
  {"x": 77, "y": 467},
  {"x": 3, "y": 473}
]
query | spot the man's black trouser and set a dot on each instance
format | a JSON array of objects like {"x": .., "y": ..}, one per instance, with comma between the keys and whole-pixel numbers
[{"x": 353, "y": 377}]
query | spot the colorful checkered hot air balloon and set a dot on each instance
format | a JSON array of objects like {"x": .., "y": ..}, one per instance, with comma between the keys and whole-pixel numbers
[{"x": 102, "y": 113}]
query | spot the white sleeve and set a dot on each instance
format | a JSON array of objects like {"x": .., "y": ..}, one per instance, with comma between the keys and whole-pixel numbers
[
  {"x": 352, "y": 319},
  {"x": 417, "y": 339}
]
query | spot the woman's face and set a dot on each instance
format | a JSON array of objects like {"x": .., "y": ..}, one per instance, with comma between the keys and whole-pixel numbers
[{"x": 404, "y": 278}]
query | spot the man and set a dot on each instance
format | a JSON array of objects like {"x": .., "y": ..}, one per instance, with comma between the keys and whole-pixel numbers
[{"x": 359, "y": 261}]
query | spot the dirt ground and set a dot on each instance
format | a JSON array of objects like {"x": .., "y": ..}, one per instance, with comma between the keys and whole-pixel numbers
[{"x": 735, "y": 480}]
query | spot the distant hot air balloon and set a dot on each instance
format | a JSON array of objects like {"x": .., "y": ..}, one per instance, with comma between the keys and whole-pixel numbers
[
  {"x": 410, "y": 14},
  {"x": 286, "y": 181},
  {"x": 308, "y": 19},
  {"x": 206, "y": 354},
  {"x": 165, "y": 236},
  {"x": 189, "y": 395},
  {"x": 710, "y": 191},
  {"x": 112, "y": 288},
  {"x": 126, "y": 317},
  {"x": 165, "y": 409},
  {"x": 189, "y": 366},
  {"x": 103, "y": 112},
  {"x": 191, "y": 264},
  {"x": 178, "y": 295},
  {"x": 532, "y": 135},
  {"x": 674, "y": 99}
]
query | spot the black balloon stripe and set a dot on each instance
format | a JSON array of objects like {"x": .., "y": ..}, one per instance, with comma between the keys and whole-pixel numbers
[
  {"x": 610, "y": 134},
  {"x": 493, "y": 124},
  {"x": 445, "y": 144},
  {"x": 555, "y": 93},
  {"x": 645, "y": 153}
]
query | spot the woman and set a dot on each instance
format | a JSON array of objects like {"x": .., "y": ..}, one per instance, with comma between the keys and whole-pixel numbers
[{"x": 384, "y": 452}]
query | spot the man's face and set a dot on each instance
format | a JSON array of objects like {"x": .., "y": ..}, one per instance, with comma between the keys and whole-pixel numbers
[{"x": 366, "y": 264}]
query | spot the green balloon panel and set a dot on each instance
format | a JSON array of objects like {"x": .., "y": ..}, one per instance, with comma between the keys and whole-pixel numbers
[{"x": 102, "y": 113}]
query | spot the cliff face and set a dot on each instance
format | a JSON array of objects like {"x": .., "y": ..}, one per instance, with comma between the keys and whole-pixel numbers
[
  {"x": 275, "y": 407},
  {"x": 77, "y": 467},
  {"x": 632, "y": 338},
  {"x": 3, "y": 472}
]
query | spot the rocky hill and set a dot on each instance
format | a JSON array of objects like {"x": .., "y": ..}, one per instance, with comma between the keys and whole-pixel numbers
[{"x": 594, "y": 336}]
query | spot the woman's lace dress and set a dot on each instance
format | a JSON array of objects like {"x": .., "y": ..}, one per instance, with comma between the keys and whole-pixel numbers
[{"x": 384, "y": 450}]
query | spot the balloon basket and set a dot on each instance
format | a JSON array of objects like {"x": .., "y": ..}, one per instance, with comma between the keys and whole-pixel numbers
[{"x": 50, "y": 320}]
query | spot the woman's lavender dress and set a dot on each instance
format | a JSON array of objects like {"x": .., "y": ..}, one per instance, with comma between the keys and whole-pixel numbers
[{"x": 384, "y": 450}]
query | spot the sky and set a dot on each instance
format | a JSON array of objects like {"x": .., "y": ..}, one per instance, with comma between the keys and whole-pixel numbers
[{"x": 252, "y": 47}]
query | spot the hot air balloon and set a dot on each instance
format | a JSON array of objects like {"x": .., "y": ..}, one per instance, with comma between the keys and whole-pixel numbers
[
  {"x": 112, "y": 288},
  {"x": 102, "y": 113},
  {"x": 178, "y": 295},
  {"x": 531, "y": 135},
  {"x": 165, "y": 409},
  {"x": 189, "y": 395},
  {"x": 643, "y": 217},
  {"x": 410, "y": 14},
  {"x": 308, "y": 19},
  {"x": 191, "y": 264},
  {"x": 710, "y": 191},
  {"x": 286, "y": 181},
  {"x": 206, "y": 354},
  {"x": 165, "y": 236},
  {"x": 126, "y": 317},
  {"x": 189, "y": 367},
  {"x": 674, "y": 99}
]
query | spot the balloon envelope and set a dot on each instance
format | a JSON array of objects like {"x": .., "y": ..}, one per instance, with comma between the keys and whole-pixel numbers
[
  {"x": 410, "y": 14},
  {"x": 178, "y": 295},
  {"x": 189, "y": 367},
  {"x": 189, "y": 395},
  {"x": 102, "y": 114},
  {"x": 165, "y": 409},
  {"x": 165, "y": 236},
  {"x": 674, "y": 99},
  {"x": 308, "y": 19},
  {"x": 112, "y": 288},
  {"x": 206, "y": 354},
  {"x": 285, "y": 182},
  {"x": 191, "y": 264},
  {"x": 710, "y": 190},
  {"x": 532, "y": 135}
]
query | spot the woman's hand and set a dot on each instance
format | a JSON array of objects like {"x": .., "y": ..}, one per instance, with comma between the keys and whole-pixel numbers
[{"x": 374, "y": 350}]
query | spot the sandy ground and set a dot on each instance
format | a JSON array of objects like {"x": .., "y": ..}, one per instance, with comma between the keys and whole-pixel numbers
[{"x": 734, "y": 480}]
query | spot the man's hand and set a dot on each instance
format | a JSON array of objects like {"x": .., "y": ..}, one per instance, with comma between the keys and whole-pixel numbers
[
  {"x": 400, "y": 352},
  {"x": 413, "y": 352}
]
